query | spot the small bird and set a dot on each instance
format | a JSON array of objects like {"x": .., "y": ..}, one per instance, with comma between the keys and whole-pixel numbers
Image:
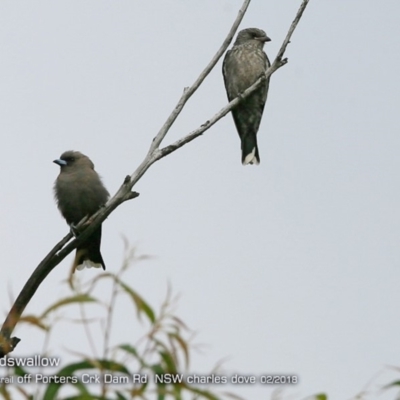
[
  {"x": 79, "y": 192},
  {"x": 243, "y": 65}
]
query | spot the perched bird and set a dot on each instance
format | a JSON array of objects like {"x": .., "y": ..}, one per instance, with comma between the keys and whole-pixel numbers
[
  {"x": 243, "y": 65},
  {"x": 79, "y": 192}
]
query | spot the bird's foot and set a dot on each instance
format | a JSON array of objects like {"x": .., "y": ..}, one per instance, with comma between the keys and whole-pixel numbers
[
  {"x": 74, "y": 230},
  {"x": 77, "y": 228}
]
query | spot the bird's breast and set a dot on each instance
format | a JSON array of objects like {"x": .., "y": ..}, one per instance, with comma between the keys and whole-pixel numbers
[
  {"x": 79, "y": 196},
  {"x": 243, "y": 68}
]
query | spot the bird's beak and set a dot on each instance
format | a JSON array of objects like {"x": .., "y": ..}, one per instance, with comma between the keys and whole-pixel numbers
[
  {"x": 263, "y": 39},
  {"x": 60, "y": 162}
]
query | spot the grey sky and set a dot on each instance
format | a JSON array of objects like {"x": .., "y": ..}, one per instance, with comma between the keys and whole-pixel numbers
[{"x": 289, "y": 267}]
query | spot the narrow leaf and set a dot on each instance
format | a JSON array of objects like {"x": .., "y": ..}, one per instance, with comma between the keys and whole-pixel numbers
[{"x": 79, "y": 298}]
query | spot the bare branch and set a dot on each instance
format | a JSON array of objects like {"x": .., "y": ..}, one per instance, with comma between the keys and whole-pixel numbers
[
  {"x": 124, "y": 193},
  {"x": 187, "y": 93},
  {"x": 278, "y": 63},
  {"x": 299, "y": 14},
  {"x": 55, "y": 256}
]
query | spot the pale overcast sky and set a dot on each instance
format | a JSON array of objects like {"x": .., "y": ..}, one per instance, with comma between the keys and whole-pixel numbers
[{"x": 290, "y": 267}]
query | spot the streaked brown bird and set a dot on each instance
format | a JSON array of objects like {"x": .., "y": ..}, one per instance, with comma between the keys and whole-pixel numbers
[
  {"x": 79, "y": 192},
  {"x": 243, "y": 65}
]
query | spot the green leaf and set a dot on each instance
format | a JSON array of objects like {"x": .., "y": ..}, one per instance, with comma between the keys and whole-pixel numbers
[
  {"x": 24, "y": 393},
  {"x": 79, "y": 298},
  {"x": 69, "y": 370},
  {"x": 87, "y": 396},
  {"x": 141, "y": 305},
  {"x": 36, "y": 321},
  {"x": 19, "y": 371},
  {"x": 108, "y": 365},
  {"x": 120, "y": 396},
  {"x": 4, "y": 392},
  {"x": 169, "y": 361},
  {"x": 177, "y": 389},
  {"x": 157, "y": 369},
  {"x": 138, "y": 391},
  {"x": 133, "y": 352},
  {"x": 53, "y": 388},
  {"x": 183, "y": 345},
  {"x": 129, "y": 349},
  {"x": 395, "y": 383}
]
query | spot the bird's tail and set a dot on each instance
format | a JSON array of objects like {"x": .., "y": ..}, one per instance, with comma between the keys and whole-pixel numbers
[
  {"x": 88, "y": 253},
  {"x": 250, "y": 150}
]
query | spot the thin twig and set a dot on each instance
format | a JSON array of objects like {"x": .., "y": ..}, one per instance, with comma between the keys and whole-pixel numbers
[
  {"x": 77, "y": 288},
  {"x": 299, "y": 14},
  {"x": 108, "y": 326}
]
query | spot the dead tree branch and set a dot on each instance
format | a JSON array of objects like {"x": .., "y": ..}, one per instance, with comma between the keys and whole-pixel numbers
[{"x": 124, "y": 193}]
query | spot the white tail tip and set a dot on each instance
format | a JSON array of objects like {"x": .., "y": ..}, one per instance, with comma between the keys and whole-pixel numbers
[
  {"x": 88, "y": 264},
  {"x": 251, "y": 158}
]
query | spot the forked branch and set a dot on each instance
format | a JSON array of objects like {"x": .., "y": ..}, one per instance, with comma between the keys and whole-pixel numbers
[{"x": 124, "y": 193}]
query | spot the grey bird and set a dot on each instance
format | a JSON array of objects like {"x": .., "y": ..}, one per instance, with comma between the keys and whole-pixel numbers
[
  {"x": 242, "y": 66},
  {"x": 79, "y": 192}
]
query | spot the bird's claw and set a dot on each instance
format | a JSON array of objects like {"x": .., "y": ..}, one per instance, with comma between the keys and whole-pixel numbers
[{"x": 74, "y": 230}]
